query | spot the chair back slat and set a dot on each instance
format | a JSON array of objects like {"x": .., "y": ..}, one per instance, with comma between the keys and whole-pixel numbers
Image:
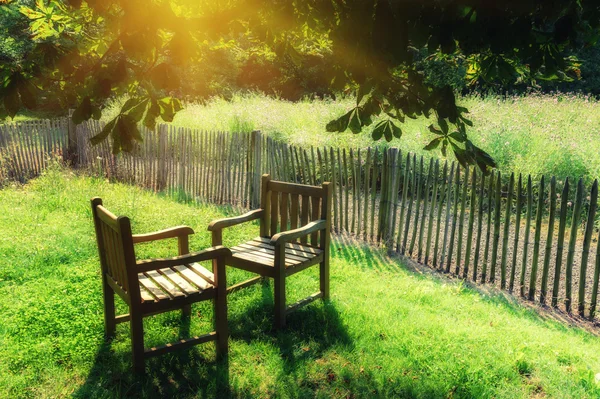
[
  {"x": 294, "y": 211},
  {"x": 283, "y": 212},
  {"x": 111, "y": 245},
  {"x": 274, "y": 211},
  {"x": 314, "y": 237},
  {"x": 304, "y": 215}
]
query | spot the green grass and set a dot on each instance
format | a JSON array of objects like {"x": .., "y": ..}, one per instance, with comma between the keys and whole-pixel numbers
[
  {"x": 388, "y": 331},
  {"x": 537, "y": 134}
]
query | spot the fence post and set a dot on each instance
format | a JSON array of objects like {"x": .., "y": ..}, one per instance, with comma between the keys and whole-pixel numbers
[
  {"x": 72, "y": 154},
  {"x": 256, "y": 167},
  {"x": 161, "y": 172}
]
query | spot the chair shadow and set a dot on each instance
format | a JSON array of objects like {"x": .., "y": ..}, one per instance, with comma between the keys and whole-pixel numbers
[{"x": 179, "y": 374}]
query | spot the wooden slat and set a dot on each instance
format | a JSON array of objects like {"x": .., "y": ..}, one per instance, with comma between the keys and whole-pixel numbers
[
  {"x": 304, "y": 215},
  {"x": 587, "y": 238},
  {"x": 176, "y": 278},
  {"x": 274, "y": 212},
  {"x": 283, "y": 212},
  {"x": 508, "y": 212},
  {"x": 418, "y": 217},
  {"x": 167, "y": 286},
  {"x": 560, "y": 242},
  {"x": 181, "y": 344},
  {"x": 454, "y": 216},
  {"x": 471, "y": 222},
  {"x": 440, "y": 205},
  {"x": 527, "y": 233},
  {"x": 425, "y": 209},
  {"x": 316, "y": 213},
  {"x": 366, "y": 194},
  {"x": 151, "y": 287},
  {"x": 448, "y": 211},
  {"x": 192, "y": 277},
  {"x": 479, "y": 226},
  {"x": 304, "y": 248},
  {"x": 300, "y": 255},
  {"x": 572, "y": 242},
  {"x": 267, "y": 251},
  {"x": 403, "y": 210},
  {"x": 432, "y": 211},
  {"x": 293, "y": 188},
  {"x": 374, "y": 179},
  {"x": 513, "y": 267},
  {"x": 536, "y": 243},
  {"x": 488, "y": 229},
  {"x": 496, "y": 241},
  {"x": 207, "y": 275},
  {"x": 294, "y": 211},
  {"x": 461, "y": 223},
  {"x": 549, "y": 236}
]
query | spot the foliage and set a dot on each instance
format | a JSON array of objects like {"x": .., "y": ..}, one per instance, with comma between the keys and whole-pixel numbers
[{"x": 97, "y": 49}]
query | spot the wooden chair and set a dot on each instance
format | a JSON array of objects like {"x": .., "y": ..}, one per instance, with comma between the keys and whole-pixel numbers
[
  {"x": 157, "y": 285},
  {"x": 288, "y": 213}
]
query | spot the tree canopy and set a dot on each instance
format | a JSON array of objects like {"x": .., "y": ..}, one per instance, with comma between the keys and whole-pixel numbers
[{"x": 87, "y": 52}]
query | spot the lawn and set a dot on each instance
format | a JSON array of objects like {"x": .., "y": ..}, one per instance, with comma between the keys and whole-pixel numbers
[
  {"x": 390, "y": 330},
  {"x": 539, "y": 134}
]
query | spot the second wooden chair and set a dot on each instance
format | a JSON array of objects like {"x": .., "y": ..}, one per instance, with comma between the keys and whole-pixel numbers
[{"x": 289, "y": 215}]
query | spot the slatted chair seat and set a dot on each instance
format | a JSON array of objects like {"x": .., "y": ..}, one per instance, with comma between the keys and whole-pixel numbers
[
  {"x": 154, "y": 286},
  {"x": 295, "y": 222},
  {"x": 260, "y": 253},
  {"x": 175, "y": 283}
]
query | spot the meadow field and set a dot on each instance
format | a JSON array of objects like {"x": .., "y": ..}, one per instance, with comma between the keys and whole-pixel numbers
[
  {"x": 391, "y": 329},
  {"x": 550, "y": 134}
]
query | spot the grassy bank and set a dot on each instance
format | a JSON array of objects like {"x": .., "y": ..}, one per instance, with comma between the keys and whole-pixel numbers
[
  {"x": 388, "y": 331},
  {"x": 538, "y": 134}
]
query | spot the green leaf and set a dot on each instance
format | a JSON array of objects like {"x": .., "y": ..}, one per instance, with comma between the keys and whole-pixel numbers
[
  {"x": 151, "y": 115},
  {"x": 11, "y": 101},
  {"x": 354, "y": 124},
  {"x": 458, "y": 136},
  {"x": 433, "y": 144},
  {"x": 378, "y": 130},
  {"x": 433, "y": 129},
  {"x": 396, "y": 131},
  {"x": 27, "y": 97},
  {"x": 108, "y": 128},
  {"x": 136, "y": 111},
  {"x": 340, "y": 124},
  {"x": 83, "y": 112}
]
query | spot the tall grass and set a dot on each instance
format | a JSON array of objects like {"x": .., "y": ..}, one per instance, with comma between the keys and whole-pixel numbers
[{"x": 554, "y": 134}]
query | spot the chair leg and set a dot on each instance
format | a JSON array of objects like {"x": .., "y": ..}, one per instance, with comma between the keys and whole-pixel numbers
[
  {"x": 109, "y": 311},
  {"x": 221, "y": 326},
  {"x": 324, "y": 278},
  {"x": 186, "y": 310},
  {"x": 279, "y": 288},
  {"x": 137, "y": 342}
]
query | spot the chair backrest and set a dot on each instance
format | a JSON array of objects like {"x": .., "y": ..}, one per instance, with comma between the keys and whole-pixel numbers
[
  {"x": 289, "y": 206},
  {"x": 115, "y": 244}
]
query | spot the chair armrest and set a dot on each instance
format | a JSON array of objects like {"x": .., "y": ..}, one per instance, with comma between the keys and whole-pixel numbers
[
  {"x": 228, "y": 222},
  {"x": 173, "y": 232},
  {"x": 292, "y": 235},
  {"x": 209, "y": 253}
]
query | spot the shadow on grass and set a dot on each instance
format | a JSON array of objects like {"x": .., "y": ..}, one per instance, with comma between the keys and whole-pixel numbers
[
  {"x": 370, "y": 257},
  {"x": 187, "y": 373},
  {"x": 184, "y": 373}
]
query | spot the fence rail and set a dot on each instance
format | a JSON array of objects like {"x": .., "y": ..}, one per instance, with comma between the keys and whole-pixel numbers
[{"x": 537, "y": 239}]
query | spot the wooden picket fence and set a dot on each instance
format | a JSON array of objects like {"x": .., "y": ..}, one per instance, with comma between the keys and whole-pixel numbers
[{"x": 537, "y": 240}]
